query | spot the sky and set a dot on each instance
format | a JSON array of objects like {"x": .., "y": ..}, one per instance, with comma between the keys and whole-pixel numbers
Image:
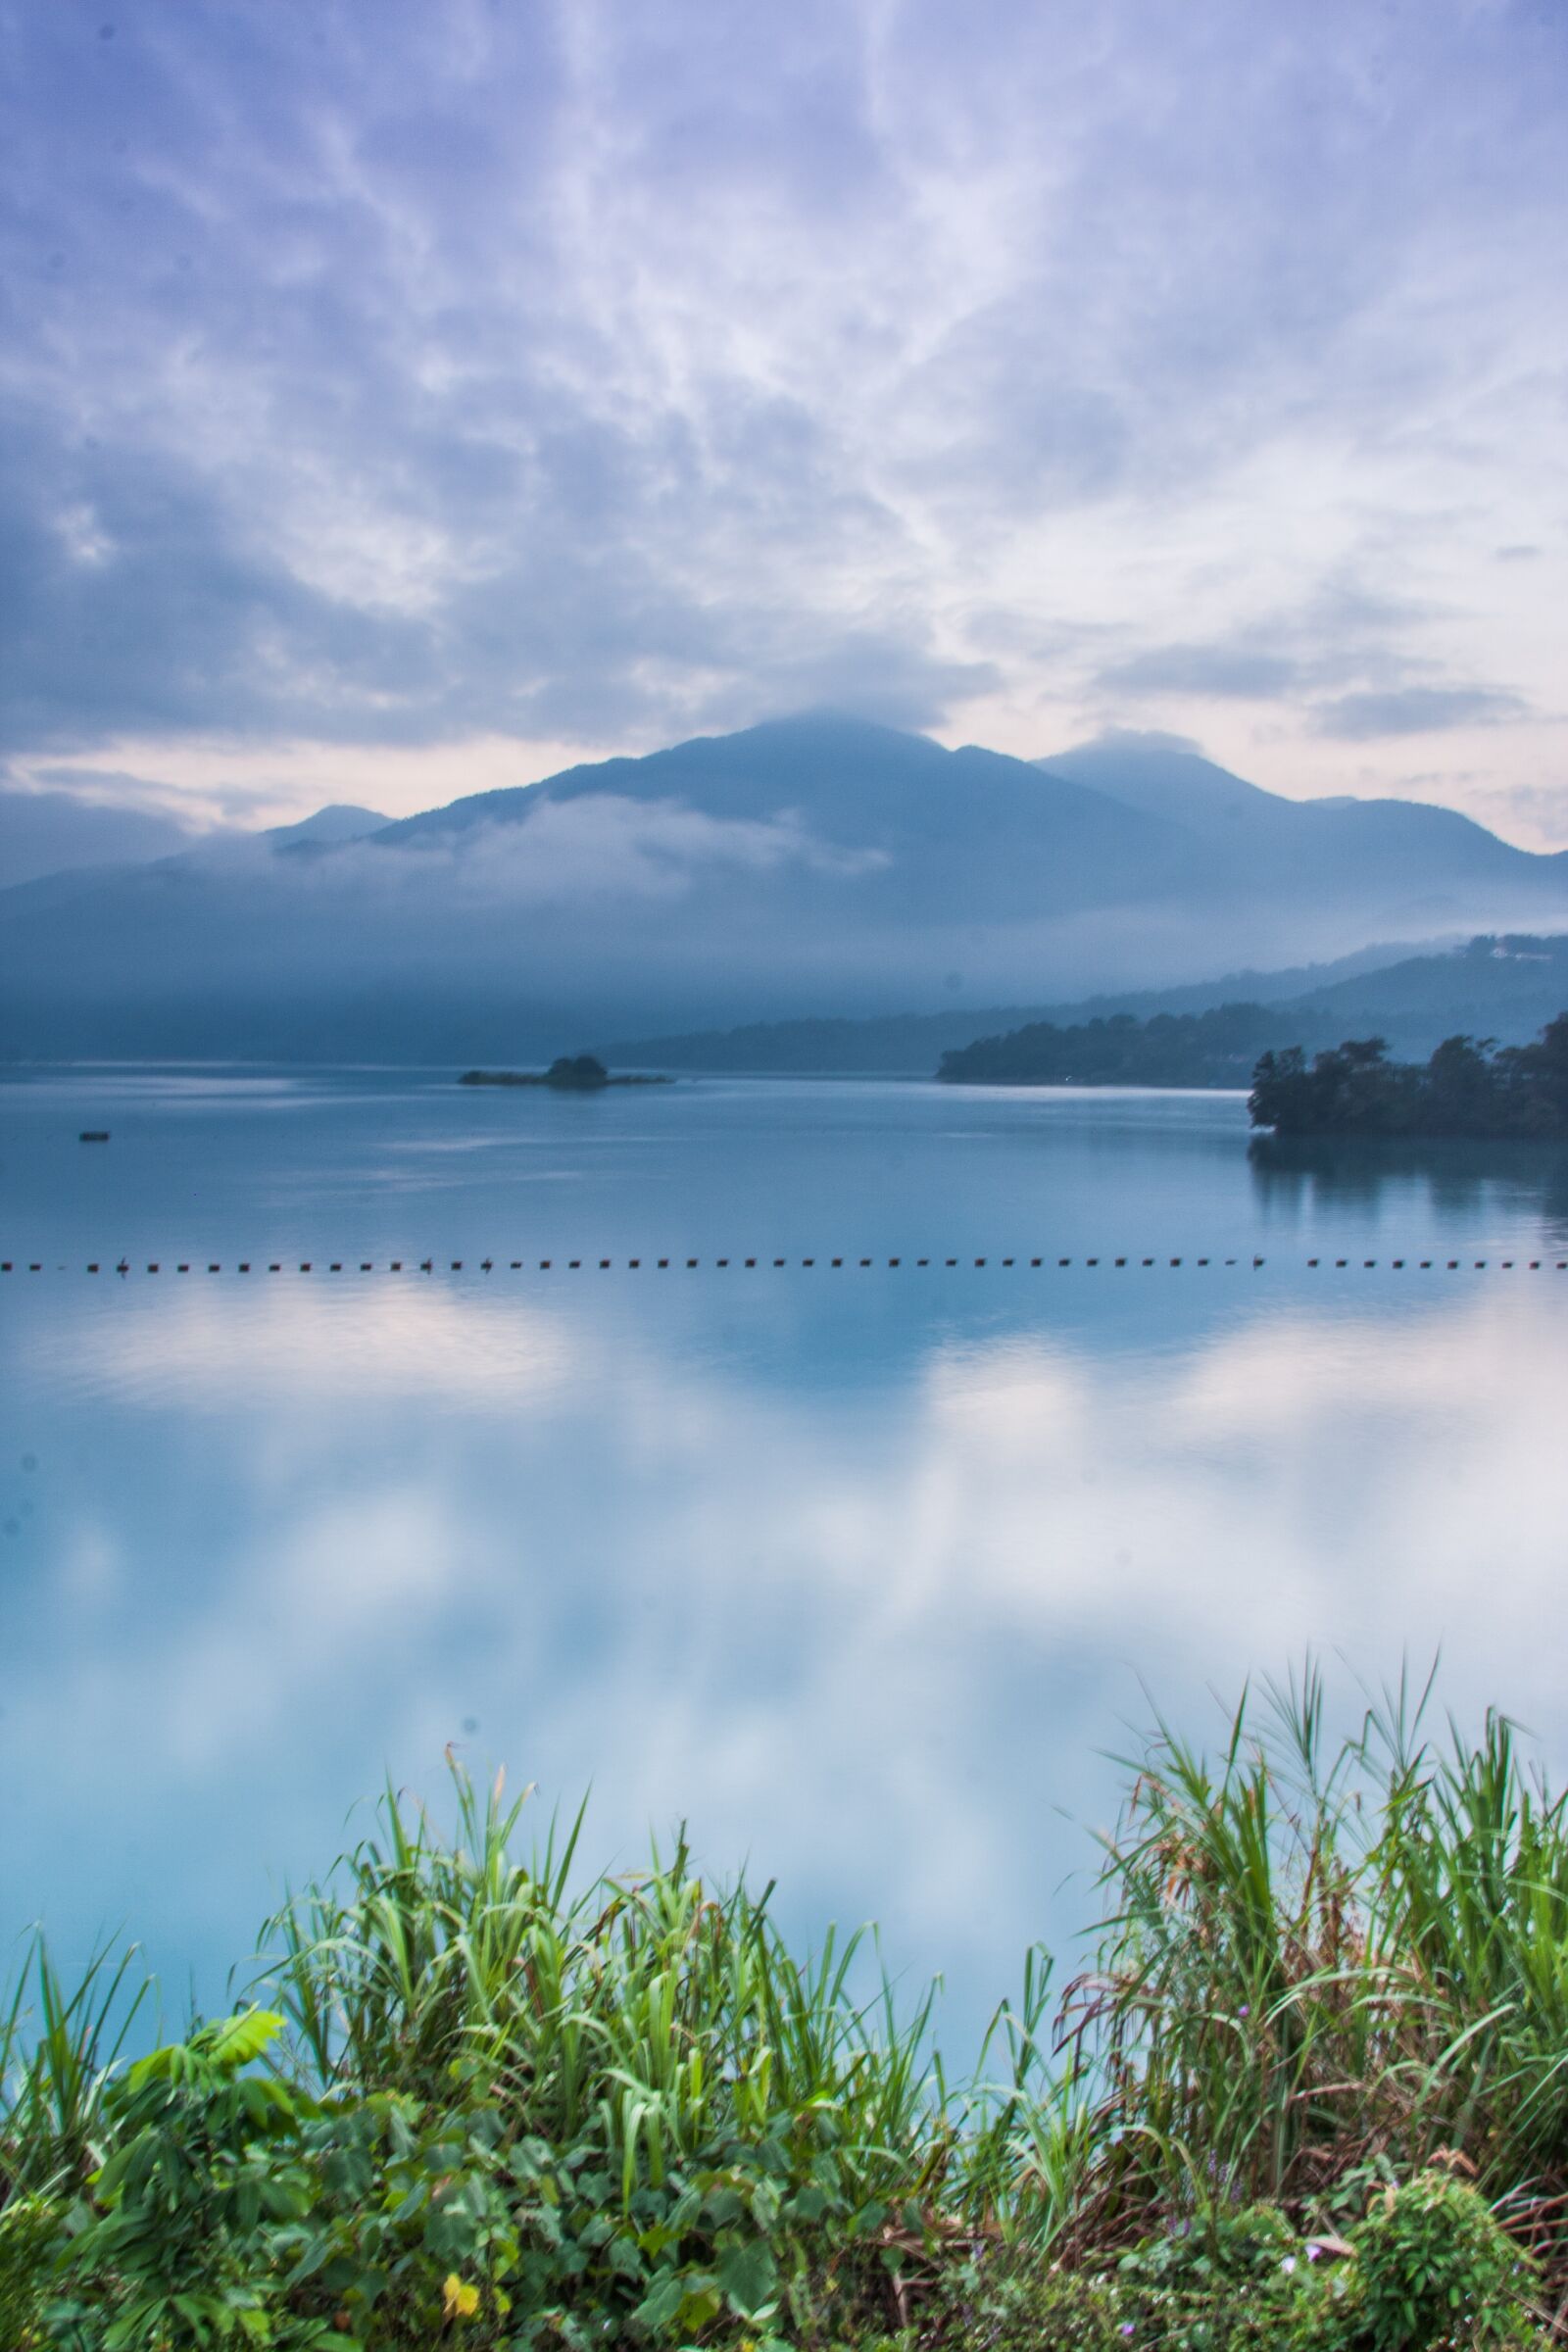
[{"x": 406, "y": 397}]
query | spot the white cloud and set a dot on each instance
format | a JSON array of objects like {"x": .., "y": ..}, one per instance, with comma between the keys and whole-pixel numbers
[
  {"x": 582, "y": 378},
  {"x": 602, "y": 846}
]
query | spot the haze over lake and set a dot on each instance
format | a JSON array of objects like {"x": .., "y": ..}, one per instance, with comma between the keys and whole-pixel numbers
[{"x": 860, "y": 1568}]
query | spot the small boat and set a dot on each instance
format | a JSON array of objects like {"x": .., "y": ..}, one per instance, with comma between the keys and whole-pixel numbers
[{"x": 95, "y": 1135}]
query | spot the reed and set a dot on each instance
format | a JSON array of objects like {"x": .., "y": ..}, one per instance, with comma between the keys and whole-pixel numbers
[
  {"x": 651, "y": 2010},
  {"x": 59, "y": 2048},
  {"x": 1327, "y": 1973},
  {"x": 1321, "y": 1963}
]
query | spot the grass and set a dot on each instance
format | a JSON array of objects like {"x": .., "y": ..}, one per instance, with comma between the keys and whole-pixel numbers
[{"x": 1311, "y": 2090}]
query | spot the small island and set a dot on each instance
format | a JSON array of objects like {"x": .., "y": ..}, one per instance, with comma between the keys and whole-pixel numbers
[
  {"x": 1470, "y": 1087},
  {"x": 568, "y": 1073}
]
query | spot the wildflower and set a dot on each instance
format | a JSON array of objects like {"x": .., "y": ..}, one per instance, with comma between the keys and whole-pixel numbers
[
  {"x": 1312, "y": 2253},
  {"x": 459, "y": 2300},
  {"x": 1126, "y": 2328},
  {"x": 1288, "y": 2265}
]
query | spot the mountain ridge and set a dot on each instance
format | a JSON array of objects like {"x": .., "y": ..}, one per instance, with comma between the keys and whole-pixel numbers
[
  {"x": 1509, "y": 987},
  {"x": 816, "y": 867}
]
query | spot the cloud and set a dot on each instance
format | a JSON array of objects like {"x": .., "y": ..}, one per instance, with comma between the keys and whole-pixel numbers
[
  {"x": 675, "y": 1565},
  {"x": 564, "y": 375},
  {"x": 1415, "y": 710},
  {"x": 1336, "y": 633},
  {"x": 594, "y": 846},
  {"x": 116, "y": 788},
  {"x": 1145, "y": 739},
  {"x": 1202, "y": 669}
]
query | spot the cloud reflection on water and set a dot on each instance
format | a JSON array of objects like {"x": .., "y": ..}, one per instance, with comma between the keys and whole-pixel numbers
[{"x": 872, "y": 1634}]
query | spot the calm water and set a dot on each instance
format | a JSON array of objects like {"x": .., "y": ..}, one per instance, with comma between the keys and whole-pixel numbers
[{"x": 859, "y": 1569}]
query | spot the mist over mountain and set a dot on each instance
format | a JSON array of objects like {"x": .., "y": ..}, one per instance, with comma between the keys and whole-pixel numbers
[
  {"x": 52, "y": 832},
  {"x": 806, "y": 867},
  {"x": 1507, "y": 989}
]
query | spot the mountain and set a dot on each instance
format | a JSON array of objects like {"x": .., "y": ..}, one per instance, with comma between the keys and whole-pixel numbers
[
  {"x": 1502, "y": 990},
  {"x": 238, "y": 853},
  {"x": 1431, "y": 855},
  {"x": 1506, "y": 989},
  {"x": 45, "y": 834},
  {"x": 339, "y": 820},
  {"x": 910, "y": 1045},
  {"x": 52, "y": 832},
  {"x": 814, "y": 867},
  {"x": 1216, "y": 1048}
]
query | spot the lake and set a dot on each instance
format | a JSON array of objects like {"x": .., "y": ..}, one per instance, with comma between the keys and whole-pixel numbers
[{"x": 858, "y": 1568}]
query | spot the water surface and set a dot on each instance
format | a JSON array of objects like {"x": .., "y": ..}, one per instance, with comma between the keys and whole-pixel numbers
[{"x": 858, "y": 1568}]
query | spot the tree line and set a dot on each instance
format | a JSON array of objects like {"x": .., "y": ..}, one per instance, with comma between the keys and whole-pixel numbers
[
  {"x": 1470, "y": 1087},
  {"x": 1217, "y": 1048}
]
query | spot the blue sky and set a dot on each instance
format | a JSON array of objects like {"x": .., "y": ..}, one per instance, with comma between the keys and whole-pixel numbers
[{"x": 406, "y": 397}]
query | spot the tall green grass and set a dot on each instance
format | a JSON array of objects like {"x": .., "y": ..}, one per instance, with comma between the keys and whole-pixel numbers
[
  {"x": 1322, "y": 1959},
  {"x": 60, "y": 2046},
  {"x": 655, "y": 2012},
  {"x": 1322, "y": 1966}
]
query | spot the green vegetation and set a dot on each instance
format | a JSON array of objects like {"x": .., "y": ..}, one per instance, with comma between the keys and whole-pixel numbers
[
  {"x": 1307, "y": 2096},
  {"x": 1218, "y": 1048},
  {"x": 568, "y": 1073},
  {"x": 1466, "y": 1089}
]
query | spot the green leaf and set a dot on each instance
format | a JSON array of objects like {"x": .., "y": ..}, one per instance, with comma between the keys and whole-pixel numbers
[
  {"x": 241, "y": 2039},
  {"x": 699, "y": 2309},
  {"x": 661, "y": 2304},
  {"x": 748, "y": 2276}
]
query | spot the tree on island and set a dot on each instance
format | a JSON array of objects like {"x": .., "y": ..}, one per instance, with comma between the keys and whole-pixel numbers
[
  {"x": 568, "y": 1073},
  {"x": 578, "y": 1071},
  {"x": 1470, "y": 1087}
]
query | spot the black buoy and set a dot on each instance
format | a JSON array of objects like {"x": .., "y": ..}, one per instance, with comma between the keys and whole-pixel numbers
[{"x": 95, "y": 1135}]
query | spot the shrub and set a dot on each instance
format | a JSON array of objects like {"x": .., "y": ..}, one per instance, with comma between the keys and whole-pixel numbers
[
  {"x": 489, "y": 2102},
  {"x": 29, "y": 2229},
  {"x": 1433, "y": 2266}
]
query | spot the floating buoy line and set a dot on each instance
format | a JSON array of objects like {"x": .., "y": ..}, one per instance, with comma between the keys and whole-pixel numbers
[{"x": 124, "y": 1266}]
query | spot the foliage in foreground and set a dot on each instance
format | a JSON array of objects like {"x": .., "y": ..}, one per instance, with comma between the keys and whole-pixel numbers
[{"x": 1309, "y": 2095}]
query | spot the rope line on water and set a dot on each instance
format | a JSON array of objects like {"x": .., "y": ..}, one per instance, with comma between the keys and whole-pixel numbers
[{"x": 605, "y": 1266}]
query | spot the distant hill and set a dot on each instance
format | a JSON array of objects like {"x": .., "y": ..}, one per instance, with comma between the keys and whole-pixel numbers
[
  {"x": 1493, "y": 988},
  {"x": 910, "y": 1045},
  {"x": 235, "y": 854},
  {"x": 1506, "y": 986},
  {"x": 1498, "y": 987},
  {"x": 56, "y": 832},
  {"x": 814, "y": 867},
  {"x": 339, "y": 820},
  {"x": 1217, "y": 1049},
  {"x": 44, "y": 835}
]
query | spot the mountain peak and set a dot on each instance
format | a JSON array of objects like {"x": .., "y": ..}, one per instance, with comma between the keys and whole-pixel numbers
[
  {"x": 816, "y": 864},
  {"x": 832, "y": 719},
  {"x": 1164, "y": 775},
  {"x": 339, "y": 820}
]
